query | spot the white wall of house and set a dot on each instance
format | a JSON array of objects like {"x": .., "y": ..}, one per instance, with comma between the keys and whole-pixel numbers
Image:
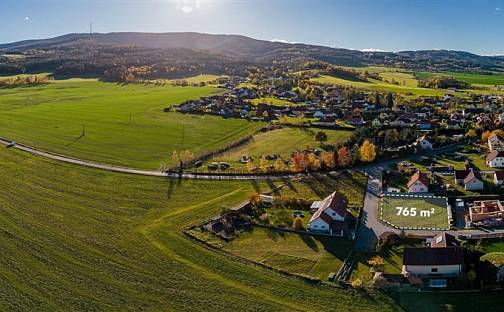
[
  {"x": 425, "y": 145},
  {"x": 334, "y": 215},
  {"x": 498, "y": 182},
  {"x": 497, "y": 162},
  {"x": 425, "y": 270},
  {"x": 474, "y": 185},
  {"x": 418, "y": 187},
  {"x": 318, "y": 225}
]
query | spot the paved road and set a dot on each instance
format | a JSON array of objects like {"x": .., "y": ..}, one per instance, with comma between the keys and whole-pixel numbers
[
  {"x": 370, "y": 228},
  {"x": 153, "y": 173}
]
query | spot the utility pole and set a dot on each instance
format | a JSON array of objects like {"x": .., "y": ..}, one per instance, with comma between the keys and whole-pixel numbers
[{"x": 83, "y": 131}]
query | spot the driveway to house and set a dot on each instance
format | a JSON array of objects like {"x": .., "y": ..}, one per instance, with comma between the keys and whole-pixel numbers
[{"x": 370, "y": 228}]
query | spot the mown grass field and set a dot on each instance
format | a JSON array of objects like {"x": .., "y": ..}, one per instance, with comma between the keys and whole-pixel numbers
[
  {"x": 272, "y": 101},
  {"x": 406, "y": 83},
  {"x": 291, "y": 252},
  {"x": 124, "y": 124},
  {"x": 435, "y": 208},
  {"x": 476, "y": 79},
  {"x": 80, "y": 239},
  {"x": 282, "y": 141}
]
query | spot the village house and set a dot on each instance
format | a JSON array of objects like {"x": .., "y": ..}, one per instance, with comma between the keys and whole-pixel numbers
[
  {"x": 354, "y": 120},
  {"x": 443, "y": 240},
  {"x": 495, "y": 143},
  {"x": 418, "y": 183},
  {"x": 432, "y": 265},
  {"x": 499, "y": 178},
  {"x": 495, "y": 159},
  {"x": 330, "y": 215},
  {"x": 423, "y": 143},
  {"x": 473, "y": 181}
]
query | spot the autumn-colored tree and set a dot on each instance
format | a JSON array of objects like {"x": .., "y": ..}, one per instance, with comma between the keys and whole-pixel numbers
[
  {"x": 263, "y": 165},
  {"x": 250, "y": 166},
  {"x": 499, "y": 133},
  {"x": 255, "y": 198},
  {"x": 344, "y": 157},
  {"x": 299, "y": 162},
  {"x": 280, "y": 166},
  {"x": 484, "y": 136},
  {"x": 367, "y": 151},
  {"x": 297, "y": 224},
  {"x": 471, "y": 133},
  {"x": 394, "y": 136},
  {"x": 313, "y": 162},
  {"x": 328, "y": 160},
  {"x": 186, "y": 156},
  {"x": 175, "y": 160},
  {"x": 376, "y": 262}
]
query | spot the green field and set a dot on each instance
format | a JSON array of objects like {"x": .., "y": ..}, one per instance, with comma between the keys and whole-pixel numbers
[
  {"x": 282, "y": 141},
  {"x": 406, "y": 83},
  {"x": 124, "y": 124},
  {"x": 476, "y": 79},
  {"x": 295, "y": 253},
  {"x": 418, "y": 211},
  {"x": 382, "y": 86},
  {"x": 272, "y": 101},
  {"x": 93, "y": 240}
]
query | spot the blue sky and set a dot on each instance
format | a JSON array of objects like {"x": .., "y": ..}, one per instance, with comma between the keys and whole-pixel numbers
[{"x": 391, "y": 25}]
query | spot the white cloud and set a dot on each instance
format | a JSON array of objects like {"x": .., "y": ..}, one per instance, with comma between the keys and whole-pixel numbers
[
  {"x": 283, "y": 41},
  {"x": 27, "y": 18}
]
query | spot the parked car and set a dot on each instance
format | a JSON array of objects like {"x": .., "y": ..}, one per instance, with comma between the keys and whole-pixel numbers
[
  {"x": 198, "y": 163},
  {"x": 298, "y": 214},
  {"x": 213, "y": 166},
  {"x": 224, "y": 165},
  {"x": 11, "y": 144}
]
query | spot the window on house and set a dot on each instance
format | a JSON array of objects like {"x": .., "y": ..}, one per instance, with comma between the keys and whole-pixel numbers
[{"x": 434, "y": 270}]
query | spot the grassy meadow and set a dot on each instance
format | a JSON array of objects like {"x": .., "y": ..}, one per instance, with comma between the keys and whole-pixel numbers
[
  {"x": 124, "y": 124},
  {"x": 282, "y": 141},
  {"x": 476, "y": 79},
  {"x": 94, "y": 240}
]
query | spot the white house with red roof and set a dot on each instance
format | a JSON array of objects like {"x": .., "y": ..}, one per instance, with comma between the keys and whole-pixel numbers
[
  {"x": 499, "y": 177},
  {"x": 330, "y": 215},
  {"x": 495, "y": 159},
  {"x": 495, "y": 143},
  {"x": 418, "y": 183}
]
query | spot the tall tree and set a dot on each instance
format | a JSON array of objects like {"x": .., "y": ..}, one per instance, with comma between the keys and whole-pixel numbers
[
  {"x": 367, "y": 151},
  {"x": 344, "y": 157}
]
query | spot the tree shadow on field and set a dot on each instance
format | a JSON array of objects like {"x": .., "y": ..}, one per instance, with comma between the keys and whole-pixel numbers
[
  {"x": 309, "y": 241},
  {"x": 75, "y": 140},
  {"x": 256, "y": 186},
  {"x": 172, "y": 185},
  {"x": 288, "y": 183}
]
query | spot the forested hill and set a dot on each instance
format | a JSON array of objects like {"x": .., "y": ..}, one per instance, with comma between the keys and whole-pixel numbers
[{"x": 220, "y": 51}]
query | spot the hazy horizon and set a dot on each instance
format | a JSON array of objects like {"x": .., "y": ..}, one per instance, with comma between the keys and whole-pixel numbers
[{"x": 386, "y": 25}]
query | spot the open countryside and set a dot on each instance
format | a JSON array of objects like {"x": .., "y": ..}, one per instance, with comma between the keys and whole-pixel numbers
[{"x": 192, "y": 167}]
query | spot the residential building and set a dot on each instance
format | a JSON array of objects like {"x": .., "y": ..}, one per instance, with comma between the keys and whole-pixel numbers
[
  {"x": 495, "y": 159},
  {"x": 424, "y": 143},
  {"x": 330, "y": 215},
  {"x": 474, "y": 181},
  {"x": 499, "y": 177},
  {"x": 418, "y": 183},
  {"x": 495, "y": 143},
  {"x": 434, "y": 265}
]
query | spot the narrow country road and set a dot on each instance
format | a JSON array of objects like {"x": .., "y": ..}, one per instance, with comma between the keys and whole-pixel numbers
[{"x": 127, "y": 170}]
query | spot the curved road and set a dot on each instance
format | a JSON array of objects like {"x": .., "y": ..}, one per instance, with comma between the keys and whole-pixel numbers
[{"x": 127, "y": 170}]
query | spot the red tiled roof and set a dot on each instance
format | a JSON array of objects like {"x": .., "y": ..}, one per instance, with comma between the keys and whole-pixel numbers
[
  {"x": 418, "y": 176},
  {"x": 322, "y": 215},
  {"x": 336, "y": 202},
  {"x": 473, "y": 174},
  {"x": 494, "y": 154}
]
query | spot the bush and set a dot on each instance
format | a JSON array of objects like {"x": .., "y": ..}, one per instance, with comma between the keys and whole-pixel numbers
[{"x": 357, "y": 283}]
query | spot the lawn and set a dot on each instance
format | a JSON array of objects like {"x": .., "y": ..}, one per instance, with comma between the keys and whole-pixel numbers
[
  {"x": 93, "y": 240},
  {"x": 273, "y": 101},
  {"x": 292, "y": 252},
  {"x": 414, "y": 211},
  {"x": 282, "y": 141},
  {"x": 124, "y": 124},
  {"x": 476, "y": 79},
  {"x": 379, "y": 86},
  {"x": 351, "y": 184}
]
